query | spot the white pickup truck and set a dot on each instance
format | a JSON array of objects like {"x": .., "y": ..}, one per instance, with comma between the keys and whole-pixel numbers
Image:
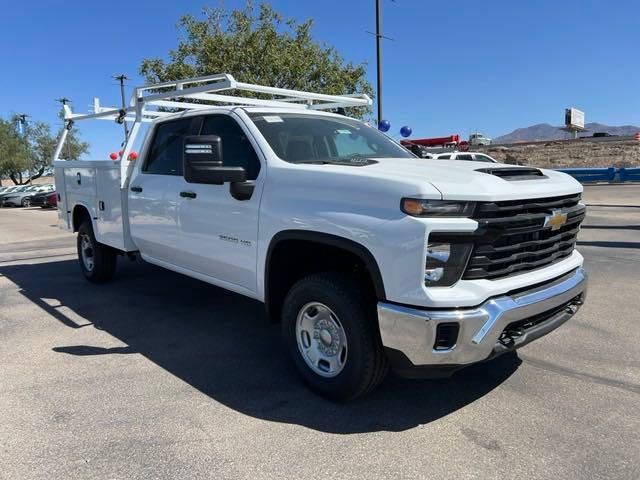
[{"x": 368, "y": 256}]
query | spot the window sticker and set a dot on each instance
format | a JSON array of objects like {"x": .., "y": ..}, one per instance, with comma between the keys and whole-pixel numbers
[
  {"x": 272, "y": 119},
  {"x": 344, "y": 132}
]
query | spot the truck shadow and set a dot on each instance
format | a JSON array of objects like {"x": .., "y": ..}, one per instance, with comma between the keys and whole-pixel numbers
[{"x": 221, "y": 344}]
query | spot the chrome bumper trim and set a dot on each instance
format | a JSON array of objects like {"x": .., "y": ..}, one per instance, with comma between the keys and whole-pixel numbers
[{"x": 412, "y": 331}]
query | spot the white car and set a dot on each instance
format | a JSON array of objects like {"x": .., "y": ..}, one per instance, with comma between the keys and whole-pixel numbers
[
  {"x": 367, "y": 257},
  {"x": 468, "y": 156}
]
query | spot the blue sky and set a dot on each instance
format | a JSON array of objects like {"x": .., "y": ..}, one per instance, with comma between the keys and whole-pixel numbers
[{"x": 453, "y": 67}]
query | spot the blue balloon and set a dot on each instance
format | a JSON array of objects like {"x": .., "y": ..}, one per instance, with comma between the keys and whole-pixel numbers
[
  {"x": 384, "y": 125},
  {"x": 406, "y": 131}
]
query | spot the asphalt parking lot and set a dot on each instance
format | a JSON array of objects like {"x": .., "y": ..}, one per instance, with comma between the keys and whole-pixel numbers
[{"x": 160, "y": 376}]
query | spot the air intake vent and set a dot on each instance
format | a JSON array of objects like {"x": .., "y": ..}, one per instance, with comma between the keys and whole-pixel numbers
[{"x": 513, "y": 174}]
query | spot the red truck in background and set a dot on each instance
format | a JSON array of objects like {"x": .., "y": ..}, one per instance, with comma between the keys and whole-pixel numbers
[{"x": 425, "y": 147}]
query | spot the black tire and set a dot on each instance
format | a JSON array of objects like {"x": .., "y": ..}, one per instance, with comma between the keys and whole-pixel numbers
[
  {"x": 366, "y": 364},
  {"x": 103, "y": 258},
  {"x": 26, "y": 202}
]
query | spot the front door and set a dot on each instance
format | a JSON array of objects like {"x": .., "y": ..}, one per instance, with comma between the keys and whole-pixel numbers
[
  {"x": 153, "y": 192},
  {"x": 220, "y": 232}
]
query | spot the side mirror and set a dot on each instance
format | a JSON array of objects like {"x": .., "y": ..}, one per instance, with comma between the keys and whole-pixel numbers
[{"x": 202, "y": 161}]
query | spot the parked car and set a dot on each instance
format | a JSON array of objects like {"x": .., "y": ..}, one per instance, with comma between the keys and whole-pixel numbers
[
  {"x": 12, "y": 191},
  {"x": 368, "y": 257},
  {"x": 22, "y": 196},
  {"x": 469, "y": 156},
  {"x": 9, "y": 189},
  {"x": 45, "y": 200}
]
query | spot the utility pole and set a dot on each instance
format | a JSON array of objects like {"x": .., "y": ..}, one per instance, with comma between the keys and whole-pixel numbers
[
  {"x": 378, "y": 62},
  {"x": 64, "y": 101},
  {"x": 121, "y": 78},
  {"x": 379, "y": 36}
]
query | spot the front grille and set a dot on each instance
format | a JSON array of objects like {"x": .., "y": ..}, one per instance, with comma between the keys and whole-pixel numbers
[{"x": 511, "y": 236}]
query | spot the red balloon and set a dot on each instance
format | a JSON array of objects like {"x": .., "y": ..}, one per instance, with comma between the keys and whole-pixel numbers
[
  {"x": 133, "y": 156},
  {"x": 113, "y": 156},
  {"x": 120, "y": 153}
]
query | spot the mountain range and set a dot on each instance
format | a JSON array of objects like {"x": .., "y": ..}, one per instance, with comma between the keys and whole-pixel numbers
[{"x": 545, "y": 131}]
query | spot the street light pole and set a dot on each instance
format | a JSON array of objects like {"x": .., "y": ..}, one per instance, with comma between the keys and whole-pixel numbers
[
  {"x": 378, "y": 61},
  {"x": 22, "y": 119}
]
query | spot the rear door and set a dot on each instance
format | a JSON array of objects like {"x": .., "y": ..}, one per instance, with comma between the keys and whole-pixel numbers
[
  {"x": 220, "y": 232},
  {"x": 153, "y": 192}
]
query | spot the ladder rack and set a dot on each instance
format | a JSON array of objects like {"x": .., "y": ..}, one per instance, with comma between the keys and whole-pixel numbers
[
  {"x": 147, "y": 100},
  {"x": 151, "y": 101}
]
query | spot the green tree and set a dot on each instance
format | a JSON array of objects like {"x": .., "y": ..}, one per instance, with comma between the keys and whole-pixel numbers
[
  {"x": 257, "y": 45},
  {"x": 31, "y": 152},
  {"x": 14, "y": 155}
]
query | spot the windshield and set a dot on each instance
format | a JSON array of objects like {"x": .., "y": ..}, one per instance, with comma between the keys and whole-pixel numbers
[{"x": 301, "y": 138}]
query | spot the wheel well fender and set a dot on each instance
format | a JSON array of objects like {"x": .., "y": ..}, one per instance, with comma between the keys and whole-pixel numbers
[
  {"x": 293, "y": 254},
  {"x": 79, "y": 214}
]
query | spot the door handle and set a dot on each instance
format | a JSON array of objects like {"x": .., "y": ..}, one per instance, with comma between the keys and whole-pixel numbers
[
  {"x": 136, "y": 189},
  {"x": 188, "y": 194}
]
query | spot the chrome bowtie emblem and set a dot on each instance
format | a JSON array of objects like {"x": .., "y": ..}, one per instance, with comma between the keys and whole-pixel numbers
[{"x": 556, "y": 220}]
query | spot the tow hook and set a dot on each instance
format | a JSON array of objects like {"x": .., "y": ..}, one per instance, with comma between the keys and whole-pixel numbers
[{"x": 509, "y": 337}]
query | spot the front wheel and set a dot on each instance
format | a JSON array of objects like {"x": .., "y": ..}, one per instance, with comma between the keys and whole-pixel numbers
[
  {"x": 26, "y": 202},
  {"x": 97, "y": 261},
  {"x": 330, "y": 329}
]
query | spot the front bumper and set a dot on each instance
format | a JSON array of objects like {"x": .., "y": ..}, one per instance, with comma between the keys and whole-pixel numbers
[{"x": 497, "y": 326}]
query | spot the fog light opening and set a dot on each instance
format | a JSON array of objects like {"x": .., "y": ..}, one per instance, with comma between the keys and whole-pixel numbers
[{"x": 446, "y": 336}]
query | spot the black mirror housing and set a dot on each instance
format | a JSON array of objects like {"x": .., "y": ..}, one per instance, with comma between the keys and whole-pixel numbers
[{"x": 203, "y": 162}]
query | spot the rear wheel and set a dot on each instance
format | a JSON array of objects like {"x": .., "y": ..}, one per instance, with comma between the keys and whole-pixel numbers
[
  {"x": 97, "y": 261},
  {"x": 26, "y": 202},
  {"x": 330, "y": 329}
]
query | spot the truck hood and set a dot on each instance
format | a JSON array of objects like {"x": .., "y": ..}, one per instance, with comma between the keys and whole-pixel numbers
[{"x": 461, "y": 180}]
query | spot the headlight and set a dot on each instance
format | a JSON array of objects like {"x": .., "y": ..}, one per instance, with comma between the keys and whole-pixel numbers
[
  {"x": 445, "y": 263},
  {"x": 417, "y": 207}
]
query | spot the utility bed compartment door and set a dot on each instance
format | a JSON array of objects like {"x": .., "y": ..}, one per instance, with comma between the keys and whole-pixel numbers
[
  {"x": 79, "y": 188},
  {"x": 111, "y": 225},
  {"x": 94, "y": 185}
]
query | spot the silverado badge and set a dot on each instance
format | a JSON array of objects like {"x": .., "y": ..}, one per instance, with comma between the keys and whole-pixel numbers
[{"x": 556, "y": 220}]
